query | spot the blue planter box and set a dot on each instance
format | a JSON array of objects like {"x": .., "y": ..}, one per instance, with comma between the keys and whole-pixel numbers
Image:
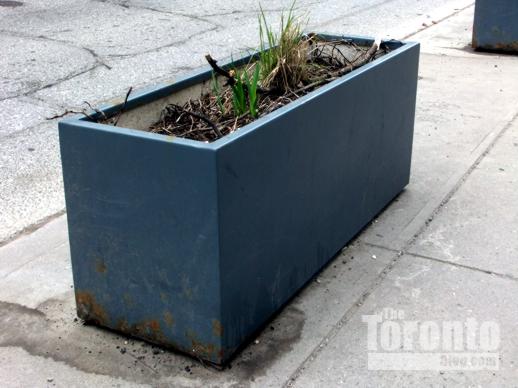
[
  {"x": 496, "y": 25},
  {"x": 195, "y": 246}
]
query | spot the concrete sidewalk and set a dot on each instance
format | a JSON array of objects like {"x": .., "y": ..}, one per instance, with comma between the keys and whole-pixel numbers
[{"x": 446, "y": 250}]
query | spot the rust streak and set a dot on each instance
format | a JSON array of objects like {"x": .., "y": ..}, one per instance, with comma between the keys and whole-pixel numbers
[
  {"x": 510, "y": 46},
  {"x": 89, "y": 310},
  {"x": 150, "y": 330},
  {"x": 205, "y": 351},
  {"x": 100, "y": 266},
  {"x": 168, "y": 317},
  {"x": 217, "y": 328}
]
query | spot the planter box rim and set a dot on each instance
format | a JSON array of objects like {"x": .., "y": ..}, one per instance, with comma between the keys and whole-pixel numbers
[{"x": 150, "y": 93}]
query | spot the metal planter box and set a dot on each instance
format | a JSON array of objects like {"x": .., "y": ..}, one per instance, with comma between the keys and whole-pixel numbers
[
  {"x": 195, "y": 246},
  {"x": 496, "y": 25}
]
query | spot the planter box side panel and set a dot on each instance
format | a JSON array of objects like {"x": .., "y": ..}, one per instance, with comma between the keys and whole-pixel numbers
[
  {"x": 496, "y": 25},
  {"x": 142, "y": 217},
  {"x": 294, "y": 191}
]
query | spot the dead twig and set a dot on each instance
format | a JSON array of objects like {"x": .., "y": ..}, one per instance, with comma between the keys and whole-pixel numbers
[
  {"x": 214, "y": 64},
  {"x": 315, "y": 84},
  {"x": 231, "y": 81},
  {"x": 123, "y": 107},
  {"x": 67, "y": 112},
  {"x": 99, "y": 112},
  {"x": 367, "y": 56},
  {"x": 201, "y": 117}
]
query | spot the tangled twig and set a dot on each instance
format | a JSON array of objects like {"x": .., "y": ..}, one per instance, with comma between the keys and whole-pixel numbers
[{"x": 123, "y": 107}]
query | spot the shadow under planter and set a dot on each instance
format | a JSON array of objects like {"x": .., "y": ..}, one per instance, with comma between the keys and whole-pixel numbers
[{"x": 196, "y": 245}]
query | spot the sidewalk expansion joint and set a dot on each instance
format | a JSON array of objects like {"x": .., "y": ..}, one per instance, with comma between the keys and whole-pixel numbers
[
  {"x": 438, "y": 21},
  {"x": 463, "y": 266},
  {"x": 425, "y": 257},
  {"x": 24, "y": 264},
  {"x": 380, "y": 247},
  {"x": 31, "y": 228}
]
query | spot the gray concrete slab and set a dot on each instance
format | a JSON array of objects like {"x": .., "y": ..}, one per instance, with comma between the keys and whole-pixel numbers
[
  {"x": 390, "y": 19},
  {"x": 30, "y": 178},
  {"x": 20, "y": 113},
  {"x": 141, "y": 70},
  {"x": 46, "y": 239},
  {"x": 30, "y": 6},
  {"x": 50, "y": 277},
  {"x": 209, "y": 9},
  {"x": 452, "y": 37},
  {"x": 107, "y": 29},
  {"x": 29, "y": 63},
  {"x": 26, "y": 370},
  {"x": 479, "y": 225},
  {"x": 425, "y": 291}
]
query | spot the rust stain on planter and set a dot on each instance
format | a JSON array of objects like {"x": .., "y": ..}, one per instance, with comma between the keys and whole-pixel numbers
[
  {"x": 474, "y": 40},
  {"x": 206, "y": 351},
  {"x": 123, "y": 326},
  {"x": 168, "y": 318},
  {"x": 217, "y": 328},
  {"x": 89, "y": 310},
  {"x": 149, "y": 330},
  {"x": 151, "y": 327},
  {"x": 505, "y": 47},
  {"x": 511, "y": 46},
  {"x": 100, "y": 266}
]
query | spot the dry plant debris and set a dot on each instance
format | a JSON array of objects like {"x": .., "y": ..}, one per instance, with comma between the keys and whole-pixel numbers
[
  {"x": 212, "y": 115},
  {"x": 288, "y": 65}
]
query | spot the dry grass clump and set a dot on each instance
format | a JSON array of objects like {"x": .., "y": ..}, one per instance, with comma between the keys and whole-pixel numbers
[{"x": 283, "y": 56}]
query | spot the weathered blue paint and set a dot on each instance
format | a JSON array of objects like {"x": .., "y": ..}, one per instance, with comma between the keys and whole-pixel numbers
[
  {"x": 496, "y": 25},
  {"x": 194, "y": 245}
]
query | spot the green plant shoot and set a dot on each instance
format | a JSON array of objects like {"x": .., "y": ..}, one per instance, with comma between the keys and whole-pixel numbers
[
  {"x": 238, "y": 95},
  {"x": 252, "y": 90}
]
